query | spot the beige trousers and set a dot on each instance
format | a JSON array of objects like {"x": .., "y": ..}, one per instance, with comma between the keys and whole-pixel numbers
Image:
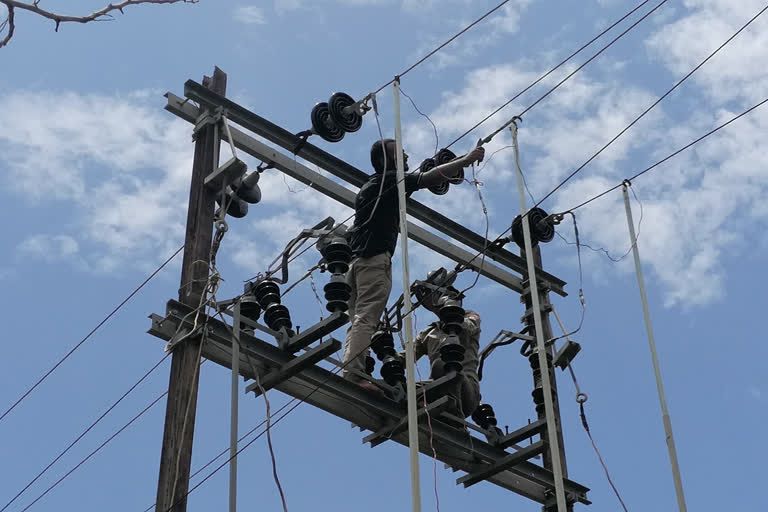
[{"x": 371, "y": 282}]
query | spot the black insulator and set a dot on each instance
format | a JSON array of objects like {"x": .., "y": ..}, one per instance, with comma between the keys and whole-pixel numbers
[
  {"x": 249, "y": 308},
  {"x": 538, "y": 397},
  {"x": 444, "y": 156},
  {"x": 545, "y": 231},
  {"x": 540, "y": 231},
  {"x": 452, "y": 355},
  {"x": 484, "y": 416},
  {"x": 323, "y": 123},
  {"x": 452, "y": 317},
  {"x": 277, "y": 317},
  {"x": 370, "y": 364},
  {"x": 337, "y": 255},
  {"x": 337, "y": 293},
  {"x": 349, "y": 121},
  {"x": 533, "y": 359},
  {"x": 383, "y": 344},
  {"x": 267, "y": 292},
  {"x": 392, "y": 370},
  {"x": 441, "y": 189}
]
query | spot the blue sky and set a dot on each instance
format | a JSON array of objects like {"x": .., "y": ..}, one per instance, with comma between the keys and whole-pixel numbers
[{"x": 94, "y": 188}]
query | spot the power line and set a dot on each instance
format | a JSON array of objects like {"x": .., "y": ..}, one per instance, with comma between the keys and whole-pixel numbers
[
  {"x": 94, "y": 452},
  {"x": 545, "y": 75},
  {"x": 134, "y": 292},
  {"x": 73, "y": 443},
  {"x": 462, "y": 31},
  {"x": 652, "y": 105},
  {"x": 671, "y": 155},
  {"x": 561, "y": 82}
]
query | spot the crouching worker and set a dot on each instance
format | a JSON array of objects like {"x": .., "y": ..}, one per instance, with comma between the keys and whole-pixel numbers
[{"x": 431, "y": 339}]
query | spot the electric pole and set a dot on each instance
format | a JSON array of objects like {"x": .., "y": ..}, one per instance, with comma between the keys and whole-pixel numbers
[{"x": 176, "y": 455}]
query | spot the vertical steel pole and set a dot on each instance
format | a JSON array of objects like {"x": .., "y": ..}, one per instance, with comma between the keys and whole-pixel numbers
[
  {"x": 234, "y": 409},
  {"x": 413, "y": 433},
  {"x": 656, "y": 368},
  {"x": 549, "y": 410}
]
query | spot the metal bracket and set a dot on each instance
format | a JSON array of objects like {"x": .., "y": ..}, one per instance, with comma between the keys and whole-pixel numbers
[
  {"x": 226, "y": 174},
  {"x": 566, "y": 354}
]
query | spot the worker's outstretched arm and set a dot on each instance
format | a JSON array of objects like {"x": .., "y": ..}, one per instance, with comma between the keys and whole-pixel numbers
[{"x": 449, "y": 170}]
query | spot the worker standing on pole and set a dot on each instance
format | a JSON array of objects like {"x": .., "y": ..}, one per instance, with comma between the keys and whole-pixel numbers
[{"x": 373, "y": 238}]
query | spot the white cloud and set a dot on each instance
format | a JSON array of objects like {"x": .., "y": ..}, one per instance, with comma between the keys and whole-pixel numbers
[
  {"x": 120, "y": 166},
  {"x": 699, "y": 207},
  {"x": 49, "y": 247},
  {"x": 731, "y": 74},
  {"x": 250, "y": 15}
]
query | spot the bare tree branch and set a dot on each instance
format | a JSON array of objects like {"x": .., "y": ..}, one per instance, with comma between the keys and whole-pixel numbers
[
  {"x": 100, "y": 15},
  {"x": 11, "y": 26}
]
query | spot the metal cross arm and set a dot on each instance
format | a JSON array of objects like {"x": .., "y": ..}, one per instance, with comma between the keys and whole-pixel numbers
[
  {"x": 356, "y": 177},
  {"x": 337, "y": 192}
]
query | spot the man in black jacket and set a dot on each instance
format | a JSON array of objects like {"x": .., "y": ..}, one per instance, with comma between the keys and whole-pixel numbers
[{"x": 373, "y": 238}]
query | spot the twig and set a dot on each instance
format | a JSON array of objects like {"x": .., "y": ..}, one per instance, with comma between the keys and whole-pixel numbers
[
  {"x": 11, "y": 26},
  {"x": 103, "y": 14}
]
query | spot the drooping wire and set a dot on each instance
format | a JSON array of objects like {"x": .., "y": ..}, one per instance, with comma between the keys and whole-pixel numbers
[
  {"x": 581, "y": 399},
  {"x": 671, "y": 155},
  {"x": 420, "y": 61},
  {"x": 661, "y": 98},
  {"x": 581, "y": 283},
  {"x": 437, "y": 137},
  {"x": 545, "y": 75},
  {"x": 73, "y": 349},
  {"x": 602, "y": 249},
  {"x": 268, "y": 430},
  {"x": 477, "y": 184}
]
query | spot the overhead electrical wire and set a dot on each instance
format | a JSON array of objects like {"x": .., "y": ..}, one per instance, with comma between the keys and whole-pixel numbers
[
  {"x": 78, "y": 438},
  {"x": 79, "y": 344},
  {"x": 669, "y": 91},
  {"x": 443, "y": 45},
  {"x": 545, "y": 75},
  {"x": 527, "y": 88},
  {"x": 671, "y": 155}
]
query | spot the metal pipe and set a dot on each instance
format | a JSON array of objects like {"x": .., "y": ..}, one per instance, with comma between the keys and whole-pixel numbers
[
  {"x": 656, "y": 368},
  {"x": 413, "y": 428},
  {"x": 234, "y": 409},
  {"x": 541, "y": 350}
]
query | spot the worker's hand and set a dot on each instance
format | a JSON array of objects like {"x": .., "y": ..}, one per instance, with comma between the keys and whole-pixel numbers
[{"x": 476, "y": 155}]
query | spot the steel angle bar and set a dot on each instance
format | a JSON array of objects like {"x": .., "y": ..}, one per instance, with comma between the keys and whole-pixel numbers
[
  {"x": 523, "y": 433},
  {"x": 350, "y": 174},
  {"x": 510, "y": 460},
  {"x": 295, "y": 366},
  {"x": 346, "y": 197},
  {"x": 316, "y": 331}
]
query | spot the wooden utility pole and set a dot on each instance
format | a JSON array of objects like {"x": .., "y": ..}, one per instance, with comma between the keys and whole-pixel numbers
[{"x": 176, "y": 454}]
